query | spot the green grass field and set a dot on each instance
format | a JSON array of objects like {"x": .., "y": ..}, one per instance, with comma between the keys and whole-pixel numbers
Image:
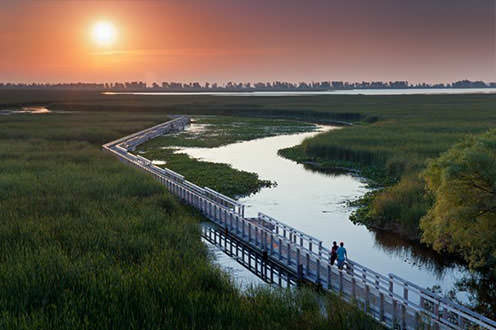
[
  {"x": 390, "y": 142},
  {"x": 90, "y": 243}
]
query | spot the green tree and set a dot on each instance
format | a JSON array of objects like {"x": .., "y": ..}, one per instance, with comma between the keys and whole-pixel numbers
[{"x": 463, "y": 184}]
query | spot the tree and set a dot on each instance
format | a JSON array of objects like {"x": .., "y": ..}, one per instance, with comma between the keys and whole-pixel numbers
[{"x": 463, "y": 184}]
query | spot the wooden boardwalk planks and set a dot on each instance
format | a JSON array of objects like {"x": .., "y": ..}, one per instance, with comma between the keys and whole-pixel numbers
[{"x": 289, "y": 255}]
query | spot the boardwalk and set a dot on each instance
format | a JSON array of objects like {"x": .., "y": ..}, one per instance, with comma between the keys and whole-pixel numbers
[{"x": 286, "y": 255}]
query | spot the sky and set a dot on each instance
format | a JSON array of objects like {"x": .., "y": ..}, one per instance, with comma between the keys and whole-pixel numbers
[{"x": 255, "y": 40}]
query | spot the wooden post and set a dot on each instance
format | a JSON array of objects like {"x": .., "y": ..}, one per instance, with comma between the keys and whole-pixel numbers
[
  {"x": 271, "y": 243},
  {"x": 329, "y": 284},
  {"x": 256, "y": 264},
  {"x": 436, "y": 313},
  {"x": 307, "y": 271},
  {"x": 367, "y": 289},
  {"x": 393, "y": 317},
  {"x": 279, "y": 278},
  {"x": 403, "y": 316},
  {"x": 264, "y": 265},
  {"x": 299, "y": 266},
  {"x": 353, "y": 286},
  {"x": 318, "y": 271},
  {"x": 461, "y": 323},
  {"x": 320, "y": 249},
  {"x": 249, "y": 232},
  {"x": 289, "y": 254},
  {"x": 298, "y": 258},
  {"x": 367, "y": 294},
  {"x": 390, "y": 285},
  {"x": 280, "y": 248},
  {"x": 405, "y": 297},
  {"x": 381, "y": 307}
]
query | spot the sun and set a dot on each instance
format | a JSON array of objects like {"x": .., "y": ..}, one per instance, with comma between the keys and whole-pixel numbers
[{"x": 104, "y": 33}]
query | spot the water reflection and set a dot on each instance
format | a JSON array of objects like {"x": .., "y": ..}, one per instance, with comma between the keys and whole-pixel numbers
[
  {"x": 30, "y": 110},
  {"x": 333, "y": 172},
  {"x": 417, "y": 255},
  {"x": 481, "y": 290},
  {"x": 316, "y": 203}
]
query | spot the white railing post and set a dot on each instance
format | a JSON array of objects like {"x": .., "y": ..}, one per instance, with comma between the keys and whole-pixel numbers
[
  {"x": 307, "y": 267},
  {"x": 329, "y": 284},
  {"x": 271, "y": 243},
  {"x": 221, "y": 209},
  {"x": 318, "y": 271},
  {"x": 289, "y": 254}
]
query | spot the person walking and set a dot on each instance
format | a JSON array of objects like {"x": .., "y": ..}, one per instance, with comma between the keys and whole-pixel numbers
[
  {"x": 342, "y": 255},
  {"x": 334, "y": 253}
]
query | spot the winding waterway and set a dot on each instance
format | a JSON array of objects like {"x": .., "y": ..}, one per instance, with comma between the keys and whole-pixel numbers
[{"x": 316, "y": 203}]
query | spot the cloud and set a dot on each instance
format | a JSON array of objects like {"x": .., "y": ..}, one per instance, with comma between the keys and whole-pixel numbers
[{"x": 189, "y": 52}]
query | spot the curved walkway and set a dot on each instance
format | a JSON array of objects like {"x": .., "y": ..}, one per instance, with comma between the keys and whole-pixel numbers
[{"x": 391, "y": 300}]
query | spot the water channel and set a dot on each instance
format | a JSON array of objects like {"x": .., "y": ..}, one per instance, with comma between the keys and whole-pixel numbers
[{"x": 316, "y": 203}]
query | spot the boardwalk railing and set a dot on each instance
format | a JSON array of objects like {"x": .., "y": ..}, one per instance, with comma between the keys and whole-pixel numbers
[{"x": 391, "y": 300}]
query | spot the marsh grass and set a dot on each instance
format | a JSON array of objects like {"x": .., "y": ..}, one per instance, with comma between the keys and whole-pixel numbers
[
  {"x": 217, "y": 131},
  {"x": 87, "y": 242},
  {"x": 220, "y": 177},
  {"x": 390, "y": 141},
  {"x": 393, "y": 151}
]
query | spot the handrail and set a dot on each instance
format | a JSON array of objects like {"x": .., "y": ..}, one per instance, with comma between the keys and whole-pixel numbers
[{"x": 297, "y": 253}]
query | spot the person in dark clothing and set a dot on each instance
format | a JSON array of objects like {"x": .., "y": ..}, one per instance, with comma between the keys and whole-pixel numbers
[{"x": 334, "y": 252}]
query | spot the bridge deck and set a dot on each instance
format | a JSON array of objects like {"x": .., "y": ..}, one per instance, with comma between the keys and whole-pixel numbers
[{"x": 291, "y": 254}]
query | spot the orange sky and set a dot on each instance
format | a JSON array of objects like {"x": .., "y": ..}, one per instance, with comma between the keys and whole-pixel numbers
[{"x": 425, "y": 40}]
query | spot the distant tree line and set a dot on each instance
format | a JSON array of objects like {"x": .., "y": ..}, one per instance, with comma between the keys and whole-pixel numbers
[{"x": 246, "y": 86}]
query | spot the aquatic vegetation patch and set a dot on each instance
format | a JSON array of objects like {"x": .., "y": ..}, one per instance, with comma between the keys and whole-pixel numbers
[
  {"x": 87, "y": 242},
  {"x": 215, "y": 131}
]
